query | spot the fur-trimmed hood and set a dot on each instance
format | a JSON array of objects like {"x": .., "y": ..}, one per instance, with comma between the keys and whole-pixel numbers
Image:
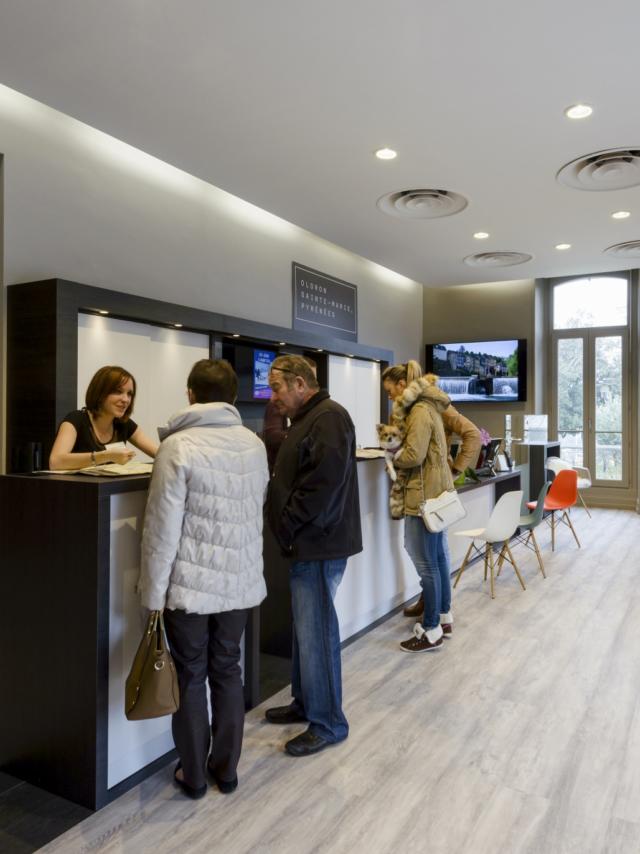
[{"x": 417, "y": 390}]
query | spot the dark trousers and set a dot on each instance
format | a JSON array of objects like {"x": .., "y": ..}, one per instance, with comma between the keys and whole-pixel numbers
[{"x": 207, "y": 646}]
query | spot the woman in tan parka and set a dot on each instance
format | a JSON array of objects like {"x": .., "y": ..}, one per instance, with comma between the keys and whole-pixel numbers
[
  {"x": 467, "y": 457},
  {"x": 418, "y": 408}
]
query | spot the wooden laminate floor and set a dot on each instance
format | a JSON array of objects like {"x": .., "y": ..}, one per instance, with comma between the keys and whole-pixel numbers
[{"x": 521, "y": 735}]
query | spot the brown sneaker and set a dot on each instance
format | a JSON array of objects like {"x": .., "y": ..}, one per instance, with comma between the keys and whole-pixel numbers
[
  {"x": 447, "y": 630},
  {"x": 416, "y": 609},
  {"x": 423, "y": 641}
]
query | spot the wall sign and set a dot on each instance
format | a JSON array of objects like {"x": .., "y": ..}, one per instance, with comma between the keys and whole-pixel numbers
[{"x": 321, "y": 302}]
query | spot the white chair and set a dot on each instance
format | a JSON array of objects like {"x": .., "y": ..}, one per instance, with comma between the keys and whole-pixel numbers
[
  {"x": 555, "y": 464},
  {"x": 500, "y": 528}
]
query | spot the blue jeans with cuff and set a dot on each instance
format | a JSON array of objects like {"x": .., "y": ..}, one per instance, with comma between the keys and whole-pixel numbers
[
  {"x": 316, "y": 678},
  {"x": 430, "y": 555}
]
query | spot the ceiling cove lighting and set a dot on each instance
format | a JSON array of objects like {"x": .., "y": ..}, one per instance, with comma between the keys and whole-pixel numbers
[
  {"x": 481, "y": 235},
  {"x": 620, "y": 214},
  {"x": 282, "y": 343},
  {"x": 563, "y": 246},
  {"x": 578, "y": 111},
  {"x": 102, "y": 311},
  {"x": 386, "y": 154},
  {"x": 236, "y": 335},
  {"x": 319, "y": 350},
  {"x": 178, "y": 325}
]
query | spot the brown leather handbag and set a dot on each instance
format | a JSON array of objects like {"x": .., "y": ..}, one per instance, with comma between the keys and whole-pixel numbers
[{"x": 151, "y": 690}]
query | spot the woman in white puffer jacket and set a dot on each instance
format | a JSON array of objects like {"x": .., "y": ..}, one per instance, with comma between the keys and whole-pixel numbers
[{"x": 202, "y": 563}]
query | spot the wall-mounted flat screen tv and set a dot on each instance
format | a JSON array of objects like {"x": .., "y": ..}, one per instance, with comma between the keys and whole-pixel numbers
[
  {"x": 262, "y": 360},
  {"x": 480, "y": 371}
]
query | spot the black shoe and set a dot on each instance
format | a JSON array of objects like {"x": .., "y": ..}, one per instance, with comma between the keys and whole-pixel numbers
[
  {"x": 284, "y": 715},
  {"x": 225, "y": 786},
  {"x": 190, "y": 791},
  {"x": 305, "y": 744}
]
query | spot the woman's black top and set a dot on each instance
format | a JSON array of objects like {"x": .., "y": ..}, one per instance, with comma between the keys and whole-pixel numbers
[{"x": 87, "y": 441}]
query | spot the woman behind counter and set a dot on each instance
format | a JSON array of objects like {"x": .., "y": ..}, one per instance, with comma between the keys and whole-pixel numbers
[{"x": 84, "y": 433}]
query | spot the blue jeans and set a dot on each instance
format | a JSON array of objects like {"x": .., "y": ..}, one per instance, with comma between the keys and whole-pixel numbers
[
  {"x": 316, "y": 678},
  {"x": 430, "y": 555}
]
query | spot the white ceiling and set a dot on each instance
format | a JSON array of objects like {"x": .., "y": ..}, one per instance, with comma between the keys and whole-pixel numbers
[{"x": 283, "y": 102}]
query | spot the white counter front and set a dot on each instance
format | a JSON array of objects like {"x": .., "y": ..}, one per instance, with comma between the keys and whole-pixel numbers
[{"x": 382, "y": 576}]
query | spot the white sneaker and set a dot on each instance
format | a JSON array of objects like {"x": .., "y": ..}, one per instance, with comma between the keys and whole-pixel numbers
[{"x": 446, "y": 623}]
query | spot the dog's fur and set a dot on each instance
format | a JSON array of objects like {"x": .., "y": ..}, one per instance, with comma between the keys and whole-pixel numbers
[{"x": 391, "y": 437}]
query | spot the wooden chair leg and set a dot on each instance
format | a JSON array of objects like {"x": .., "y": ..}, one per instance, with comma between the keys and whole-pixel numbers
[
  {"x": 573, "y": 531},
  {"x": 463, "y": 566},
  {"x": 500, "y": 562},
  {"x": 486, "y": 560},
  {"x": 584, "y": 503},
  {"x": 514, "y": 565},
  {"x": 532, "y": 537},
  {"x": 491, "y": 567}
]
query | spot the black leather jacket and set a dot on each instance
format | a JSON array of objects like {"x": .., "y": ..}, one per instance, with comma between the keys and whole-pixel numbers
[{"x": 312, "y": 504}]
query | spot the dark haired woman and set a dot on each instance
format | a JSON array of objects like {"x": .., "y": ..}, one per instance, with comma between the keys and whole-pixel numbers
[
  {"x": 418, "y": 407},
  {"x": 84, "y": 434}
]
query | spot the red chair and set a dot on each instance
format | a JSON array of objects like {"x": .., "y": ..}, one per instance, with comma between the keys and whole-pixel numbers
[{"x": 562, "y": 495}]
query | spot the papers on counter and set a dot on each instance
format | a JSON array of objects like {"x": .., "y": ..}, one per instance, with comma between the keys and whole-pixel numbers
[
  {"x": 109, "y": 469},
  {"x": 369, "y": 453},
  {"x": 116, "y": 470}
]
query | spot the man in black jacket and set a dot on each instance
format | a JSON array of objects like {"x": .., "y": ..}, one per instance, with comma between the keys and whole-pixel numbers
[{"x": 314, "y": 513}]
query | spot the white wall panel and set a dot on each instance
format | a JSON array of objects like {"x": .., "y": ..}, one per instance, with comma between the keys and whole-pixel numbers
[
  {"x": 355, "y": 384},
  {"x": 159, "y": 359}
]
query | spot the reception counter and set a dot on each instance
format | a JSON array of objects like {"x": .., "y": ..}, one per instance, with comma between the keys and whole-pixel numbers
[
  {"x": 70, "y": 624},
  {"x": 70, "y": 621}
]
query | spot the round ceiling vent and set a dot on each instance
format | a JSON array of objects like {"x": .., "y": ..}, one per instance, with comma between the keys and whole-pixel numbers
[
  {"x": 422, "y": 204},
  {"x": 630, "y": 249},
  {"x": 612, "y": 169},
  {"x": 497, "y": 259}
]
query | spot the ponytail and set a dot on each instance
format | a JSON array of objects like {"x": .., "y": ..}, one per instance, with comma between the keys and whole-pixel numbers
[
  {"x": 414, "y": 371},
  {"x": 408, "y": 372}
]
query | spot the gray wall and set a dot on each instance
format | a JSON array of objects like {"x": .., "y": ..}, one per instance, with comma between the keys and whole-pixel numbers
[
  {"x": 81, "y": 205},
  {"x": 482, "y": 312}
]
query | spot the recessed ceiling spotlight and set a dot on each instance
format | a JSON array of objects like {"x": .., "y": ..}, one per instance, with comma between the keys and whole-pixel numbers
[
  {"x": 386, "y": 154},
  {"x": 282, "y": 343},
  {"x": 178, "y": 325},
  {"x": 620, "y": 214},
  {"x": 102, "y": 311},
  {"x": 578, "y": 111},
  {"x": 349, "y": 355},
  {"x": 481, "y": 235},
  {"x": 319, "y": 350},
  {"x": 236, "y": 335},
  {"x": 562, "y": 246}
]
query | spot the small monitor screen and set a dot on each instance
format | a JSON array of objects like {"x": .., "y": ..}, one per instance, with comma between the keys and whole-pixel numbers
[
  {"x": 480, "y": 370},
  {"x": 262, "y": 360}
]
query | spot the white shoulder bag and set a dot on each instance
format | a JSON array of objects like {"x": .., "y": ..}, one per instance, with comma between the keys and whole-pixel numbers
[{"x": 438, "y": 513}]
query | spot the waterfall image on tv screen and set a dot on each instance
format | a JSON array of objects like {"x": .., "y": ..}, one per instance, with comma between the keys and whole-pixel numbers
[{"x": 482, "y": 370}]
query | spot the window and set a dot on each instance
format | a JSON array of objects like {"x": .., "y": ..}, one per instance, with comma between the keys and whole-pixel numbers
[
  {"x": 590, "y": 364},
  {"x": 589, "y": 302}
]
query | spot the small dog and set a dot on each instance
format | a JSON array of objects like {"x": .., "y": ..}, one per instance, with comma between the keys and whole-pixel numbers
[{"x": 391, "y": 439}]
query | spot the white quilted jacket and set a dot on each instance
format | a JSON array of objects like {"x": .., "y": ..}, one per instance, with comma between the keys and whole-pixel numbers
[{"x": 202, "y": 539}]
